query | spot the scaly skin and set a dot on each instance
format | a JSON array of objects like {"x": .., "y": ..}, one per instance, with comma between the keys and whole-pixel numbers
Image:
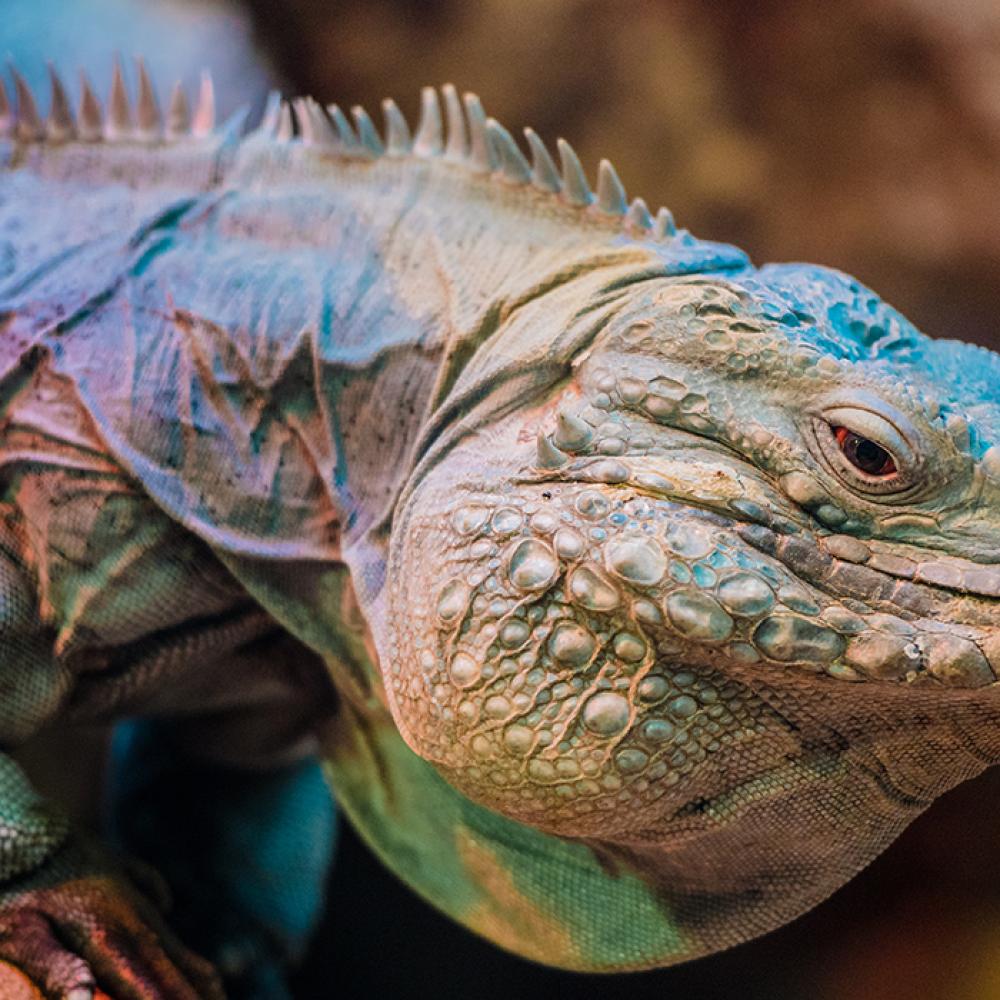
[
  {"x": 561, "y": 497},
  {"x": 682, "y": 627}
]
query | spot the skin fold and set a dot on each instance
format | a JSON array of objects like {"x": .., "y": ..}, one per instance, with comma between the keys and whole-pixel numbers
[{"x": 632, "y": 597}]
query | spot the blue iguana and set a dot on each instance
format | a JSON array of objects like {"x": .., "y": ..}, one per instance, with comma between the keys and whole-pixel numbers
[{"x": 635, "y": 597}]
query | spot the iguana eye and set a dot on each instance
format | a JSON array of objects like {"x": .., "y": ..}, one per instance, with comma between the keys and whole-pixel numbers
[
  {"x": 866, "y": 448},
  {"x": 864, "y": 454}
]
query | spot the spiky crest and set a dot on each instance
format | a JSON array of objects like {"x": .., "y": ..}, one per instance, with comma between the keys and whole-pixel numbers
[{"x": 463, "y": 134}]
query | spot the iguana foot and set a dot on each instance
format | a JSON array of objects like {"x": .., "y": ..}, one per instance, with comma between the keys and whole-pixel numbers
[{"x": 92, "y": 937}]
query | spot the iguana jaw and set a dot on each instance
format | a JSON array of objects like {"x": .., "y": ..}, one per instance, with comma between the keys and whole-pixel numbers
[
  {"x": 703, "y": 474},
  {"x": 568, "y": 625}
]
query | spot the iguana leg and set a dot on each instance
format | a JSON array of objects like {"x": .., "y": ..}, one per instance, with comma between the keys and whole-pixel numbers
[{"x": 70, "y": 924}]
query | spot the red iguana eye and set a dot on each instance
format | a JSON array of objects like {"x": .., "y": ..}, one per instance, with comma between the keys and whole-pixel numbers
[{"x": 864, "y": 454}]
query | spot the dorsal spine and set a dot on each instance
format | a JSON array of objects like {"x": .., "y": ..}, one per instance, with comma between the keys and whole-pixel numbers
[{"x": 463, "y": 134}]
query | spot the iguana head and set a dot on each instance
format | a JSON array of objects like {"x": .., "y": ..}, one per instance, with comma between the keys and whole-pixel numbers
[{"x": 754, "y": 538}]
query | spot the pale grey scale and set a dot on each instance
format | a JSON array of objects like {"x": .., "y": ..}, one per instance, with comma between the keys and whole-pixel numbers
[
  {"x": 894, "y": 565},
  {"x": 606, "y": 714},
  {"x": 790, "y": 638},
  {"x": 746, "y": 594},
  {"x": 591, "y": 589},
  {"x": 572, "y": 645},
  {"x": 955, "y": 660},
  {"x": 982, "y": 581},
  {"x": 453, "y": 600},
  {"x": 629, "y": 648},
  {"x": 940, "y": 574},
  {"x": 848, "y": 548},
  {"x": 884, "y": 657},
  {"x": 636, "y": 560},
  {"x": 698, "y": 616},
  {"x": 532, "y": 565}
]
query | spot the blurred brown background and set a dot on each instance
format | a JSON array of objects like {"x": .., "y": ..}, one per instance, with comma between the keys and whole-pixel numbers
[{"x": 862, "y": 135}]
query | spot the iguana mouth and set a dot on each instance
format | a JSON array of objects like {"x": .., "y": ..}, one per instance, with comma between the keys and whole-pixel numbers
[
  {"x": 962, "y": 576},
  {"x": 844, "y": 566},
  {"x": 925, "y": 605},
  {"x": 786, "y": 534}
]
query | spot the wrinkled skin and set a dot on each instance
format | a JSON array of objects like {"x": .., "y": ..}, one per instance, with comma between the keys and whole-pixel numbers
[{"x": 662, "y": 611}]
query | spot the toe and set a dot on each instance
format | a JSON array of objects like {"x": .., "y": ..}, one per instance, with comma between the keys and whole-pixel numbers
[
  {"x": 29, "y": 943},
  {"x": 89, "y": 939},
  {"x": 132, "y": 953}
]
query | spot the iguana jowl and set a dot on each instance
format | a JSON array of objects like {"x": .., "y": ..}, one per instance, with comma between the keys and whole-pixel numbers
[{"x": 679, "y": 576}]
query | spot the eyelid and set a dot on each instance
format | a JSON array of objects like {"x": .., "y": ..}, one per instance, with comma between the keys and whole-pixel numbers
[{"x": 875, "y": 427}]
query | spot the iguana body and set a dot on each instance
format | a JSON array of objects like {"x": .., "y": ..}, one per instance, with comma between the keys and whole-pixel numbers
[{"x": 679, "y": 576}]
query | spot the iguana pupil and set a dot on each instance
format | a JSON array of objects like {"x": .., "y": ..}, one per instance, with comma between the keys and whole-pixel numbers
[{"x": 864, "y": 454}]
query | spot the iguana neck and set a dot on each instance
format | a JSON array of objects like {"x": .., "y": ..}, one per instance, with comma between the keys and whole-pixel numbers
[{"x": 429, "y": 281}]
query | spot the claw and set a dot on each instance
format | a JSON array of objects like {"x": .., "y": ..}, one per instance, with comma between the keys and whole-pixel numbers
[{"x": 90, "y": 938}]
